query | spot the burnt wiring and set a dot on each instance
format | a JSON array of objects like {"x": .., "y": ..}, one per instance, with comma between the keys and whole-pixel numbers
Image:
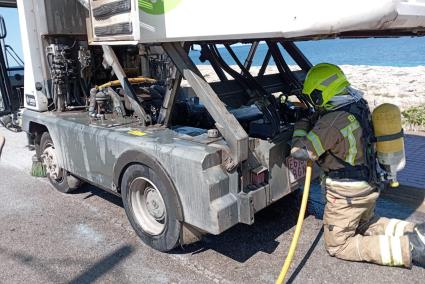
[{"x": 68, "y": 75}]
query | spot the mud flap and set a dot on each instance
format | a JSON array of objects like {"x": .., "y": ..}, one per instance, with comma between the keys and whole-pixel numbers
[{"x": 189, "y": 235}]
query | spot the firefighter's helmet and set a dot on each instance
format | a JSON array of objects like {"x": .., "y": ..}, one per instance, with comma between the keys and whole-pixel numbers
[{"x": 323, "y": 82}]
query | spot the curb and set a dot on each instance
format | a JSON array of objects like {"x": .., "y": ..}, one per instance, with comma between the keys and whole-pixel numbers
[{"x": 411, "y": 196}]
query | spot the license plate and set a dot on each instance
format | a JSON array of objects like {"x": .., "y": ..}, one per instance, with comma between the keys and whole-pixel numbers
[{"x": 297, "y": 169}]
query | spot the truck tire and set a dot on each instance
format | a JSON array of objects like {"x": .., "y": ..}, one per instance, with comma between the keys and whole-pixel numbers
[
  {"x": 60, "y": 179},
  {"x": 151, "y": 206}
]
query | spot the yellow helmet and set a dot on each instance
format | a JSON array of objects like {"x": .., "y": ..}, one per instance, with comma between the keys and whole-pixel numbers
[{"x": 324, "y": 81}]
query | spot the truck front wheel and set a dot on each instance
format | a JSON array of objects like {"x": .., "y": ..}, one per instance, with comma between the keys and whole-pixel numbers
[
  {"x": 60, "y": 179},
  {"x": 151, "y": 206}
]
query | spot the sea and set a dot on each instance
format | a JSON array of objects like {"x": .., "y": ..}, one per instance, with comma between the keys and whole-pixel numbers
[{"x": 398, "y": 52}]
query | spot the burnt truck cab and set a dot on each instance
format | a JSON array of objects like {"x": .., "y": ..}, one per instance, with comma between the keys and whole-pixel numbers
[{"x": 113, "y": 98}]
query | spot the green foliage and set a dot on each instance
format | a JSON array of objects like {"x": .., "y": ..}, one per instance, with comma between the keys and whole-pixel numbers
[{"x": 415, "y": 116}]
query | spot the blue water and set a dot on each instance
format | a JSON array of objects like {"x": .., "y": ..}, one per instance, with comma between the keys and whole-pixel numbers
[{"x": 401, "y": 52}]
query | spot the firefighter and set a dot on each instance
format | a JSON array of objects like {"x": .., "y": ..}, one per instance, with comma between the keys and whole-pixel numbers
[{"x": 340, "y": 140}]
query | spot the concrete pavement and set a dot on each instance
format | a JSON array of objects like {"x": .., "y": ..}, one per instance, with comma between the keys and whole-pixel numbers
[
  {"x": 49, "y": 237},
  {"x": 413, "y": 174},
  {"x": 412, "y": 177}
]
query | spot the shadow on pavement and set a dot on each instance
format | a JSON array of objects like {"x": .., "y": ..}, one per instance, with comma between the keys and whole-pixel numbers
[
  {"x": 241, "y": 242},
  {"x": 396, "y": 208},
  {"x": 411, "y": 194},
  {"x": 306, "y": 257},
  {"x": 103, "y": 266},
  {"x": 412, "y": 174},
  {"x": 410, "y": 197},
  {"x": 95, "y": 191},
  {"x": 389, "y": 204},
  {"x": 52, "y": 267},
  {"x": 39, "y": 266}
]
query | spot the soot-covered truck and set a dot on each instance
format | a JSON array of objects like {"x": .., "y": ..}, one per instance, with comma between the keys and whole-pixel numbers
[{"x": 113, "y": 98}]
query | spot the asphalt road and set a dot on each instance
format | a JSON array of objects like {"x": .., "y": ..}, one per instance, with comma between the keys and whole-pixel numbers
[{"x": 84, "y": 237}]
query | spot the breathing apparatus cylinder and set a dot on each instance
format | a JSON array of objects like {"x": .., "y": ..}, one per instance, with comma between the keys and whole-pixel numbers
[{"x": 390, "y": 142}]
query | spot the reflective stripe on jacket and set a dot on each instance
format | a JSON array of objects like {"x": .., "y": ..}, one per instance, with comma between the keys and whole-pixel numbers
[{"x": 338, "y": 132}]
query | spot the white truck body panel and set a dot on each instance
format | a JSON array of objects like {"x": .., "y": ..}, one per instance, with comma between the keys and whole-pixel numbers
[
  {"x": 32, "y": 27},
  {"x": 197, "y": 20}
]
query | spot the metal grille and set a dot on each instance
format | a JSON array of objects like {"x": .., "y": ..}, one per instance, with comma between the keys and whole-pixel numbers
[
  {"x": 111, "y": 9},
  {"x": 116, "y": 29}
]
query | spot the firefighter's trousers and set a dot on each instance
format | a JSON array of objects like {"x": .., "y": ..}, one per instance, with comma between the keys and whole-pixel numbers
[{"x": 353, "y": 232}]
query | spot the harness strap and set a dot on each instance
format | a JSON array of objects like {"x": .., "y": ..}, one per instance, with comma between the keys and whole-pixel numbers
[
  {"x": 359, "y": 173},
  {"x": 349, "y": 171},
  {"x": 390, "y": 137}
]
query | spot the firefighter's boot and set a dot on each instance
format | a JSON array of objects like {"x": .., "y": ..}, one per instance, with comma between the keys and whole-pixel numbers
[{"x": 417, "y": 245}]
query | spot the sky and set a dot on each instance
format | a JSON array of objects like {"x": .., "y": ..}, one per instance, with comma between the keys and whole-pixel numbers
[
  {"x": 383, "y": 52},
  {"x": 13, "y": 38}
]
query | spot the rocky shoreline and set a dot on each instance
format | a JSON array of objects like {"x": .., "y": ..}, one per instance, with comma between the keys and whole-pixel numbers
[{"x": 403, "y": 86}]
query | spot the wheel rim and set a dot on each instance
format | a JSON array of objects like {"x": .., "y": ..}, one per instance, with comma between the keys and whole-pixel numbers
[
  {"x": 148, "y": 206},
  {"x": 49, "y": 160}
]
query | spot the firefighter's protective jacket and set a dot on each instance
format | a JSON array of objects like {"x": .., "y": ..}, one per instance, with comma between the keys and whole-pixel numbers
[{"x": 336, "y": 133}]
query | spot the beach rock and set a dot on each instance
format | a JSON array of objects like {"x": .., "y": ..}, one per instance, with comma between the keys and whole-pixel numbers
[{"x": 403, "y": 86}]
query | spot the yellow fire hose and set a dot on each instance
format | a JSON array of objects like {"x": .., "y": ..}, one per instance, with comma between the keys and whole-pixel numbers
[{"x": 300, "y": 221}]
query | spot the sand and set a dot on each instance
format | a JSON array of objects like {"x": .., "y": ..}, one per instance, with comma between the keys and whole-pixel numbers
[{"x": 403, "y": 86}]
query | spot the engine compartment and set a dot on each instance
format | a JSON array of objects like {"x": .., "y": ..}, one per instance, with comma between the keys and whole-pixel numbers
[
  {"x": 191, "y": 112},
  {"x": 263, "y": 103}
]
